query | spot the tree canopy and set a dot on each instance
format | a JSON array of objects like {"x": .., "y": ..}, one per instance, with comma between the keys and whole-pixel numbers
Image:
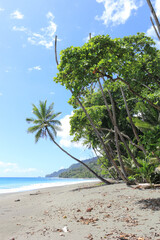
[{"x": 115, "y": 86}]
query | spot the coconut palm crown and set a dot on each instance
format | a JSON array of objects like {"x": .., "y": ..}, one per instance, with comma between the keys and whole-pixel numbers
[{"x": 44, "y": 122}]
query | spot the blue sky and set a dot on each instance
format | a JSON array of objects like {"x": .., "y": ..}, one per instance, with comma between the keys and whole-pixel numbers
[{"x": 27, "y": 68}]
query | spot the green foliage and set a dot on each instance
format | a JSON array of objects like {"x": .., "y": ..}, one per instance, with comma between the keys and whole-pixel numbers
[
  {"x": 45, "y": 118},
  {"x": 94, "y": 74},
  {"x": 146, "y": 173},
  {"x": 82, "y": 172}
]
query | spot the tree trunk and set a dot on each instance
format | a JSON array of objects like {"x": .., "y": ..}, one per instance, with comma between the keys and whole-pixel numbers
[
  {"x": 119, "y": 133},
  {"x": 108, "y": 155},
  {"x": 85, "y": 165},
  {"x": 131, "y": 122},
  {"x": 116, "y": 135}
]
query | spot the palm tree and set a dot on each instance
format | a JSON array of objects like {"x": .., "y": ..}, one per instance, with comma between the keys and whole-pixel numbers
[{"x": 46, "y": 124}]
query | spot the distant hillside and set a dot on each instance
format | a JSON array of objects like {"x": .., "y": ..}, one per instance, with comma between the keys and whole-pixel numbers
[{"x": 73, "y": 166}]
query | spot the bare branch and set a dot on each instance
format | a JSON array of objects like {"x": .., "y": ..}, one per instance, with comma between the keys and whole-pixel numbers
[
  {"x": 154, "y": 15},
  {"x": 155, "y": 28},
  {"x": 56, "y": 50}
]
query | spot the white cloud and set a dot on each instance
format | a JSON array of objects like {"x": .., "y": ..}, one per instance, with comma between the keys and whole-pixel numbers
[
  {"x": 52, "y": 93},
  {"x": 38, "y": 68},
  {"x": 4, "y": 164},
  {"x": 118, "y": 11},
  {"x": 2, "y": 9},
  {"x": 20, "y": 29},
  {"x": 17, "y": 15},
  {"x": 65, "y": 138},
  {"x": 44, "y": 37},
  {"x": 14, "y": 168},
  {"x": 1, "y": 94}
]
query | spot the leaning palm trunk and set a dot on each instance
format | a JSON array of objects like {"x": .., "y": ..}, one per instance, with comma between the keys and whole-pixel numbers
[{"x": 99, "y": 177}]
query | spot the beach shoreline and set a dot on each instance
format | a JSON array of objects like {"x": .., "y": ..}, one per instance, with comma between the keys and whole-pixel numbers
[
  {"x": 43, "y": 185},
  {"x": 81, "y": 211}
]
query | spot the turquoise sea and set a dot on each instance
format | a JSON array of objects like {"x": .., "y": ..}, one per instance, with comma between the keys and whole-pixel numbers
[{"x": 19, "y": 184}]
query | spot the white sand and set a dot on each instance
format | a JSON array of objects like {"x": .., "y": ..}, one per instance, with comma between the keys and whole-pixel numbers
[{"x": 82, "y": 211}]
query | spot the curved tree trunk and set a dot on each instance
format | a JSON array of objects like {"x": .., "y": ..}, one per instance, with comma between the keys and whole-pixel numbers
[{"x": 85, "y": 165}]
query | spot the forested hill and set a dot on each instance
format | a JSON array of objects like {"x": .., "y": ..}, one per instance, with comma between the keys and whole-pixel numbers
[{"x": 77, "y": 170}]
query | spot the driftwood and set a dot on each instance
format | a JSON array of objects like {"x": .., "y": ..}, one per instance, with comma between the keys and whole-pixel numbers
[{"x": 146, "y": 186}]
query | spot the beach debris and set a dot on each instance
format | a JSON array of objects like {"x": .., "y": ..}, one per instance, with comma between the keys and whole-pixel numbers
[
  {"x": 17, "y": 200},
  {"x": 124, "y": 237},
  {"x": 62, "y": 235},
  {"x": 146, "y": 186},
  {"x": 59, "y": 230},
  {"x": 87, "y": 221},
  {"x": 65, "y": 229},
  {"x": 12, "y": 239},
  {"x": 78, "y": 210},
  {"x": 90, "y": 237},
  {"x": 37, "y": 193},
  {"x": 89, "y": 209},
  {"x": 64, "y": 216}
]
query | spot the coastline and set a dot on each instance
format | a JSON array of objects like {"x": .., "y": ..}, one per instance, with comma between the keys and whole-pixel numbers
[
  {"x": 81, "y": 211},
  {"x": 36, "y": 186}
]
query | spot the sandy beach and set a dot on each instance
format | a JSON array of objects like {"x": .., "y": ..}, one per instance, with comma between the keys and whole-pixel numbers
[{"x": 83, "y": 211}]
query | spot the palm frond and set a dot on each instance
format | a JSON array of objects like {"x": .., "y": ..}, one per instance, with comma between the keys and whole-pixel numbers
[
  {"x": 36, "y": 112},
  {"x": 34, "y": 128},
  {"x": 38, "y": 135},
  {"x": 50, "y": 109},
  {"x": 53, "y": 129},
  {"x": 43, "y": 108},
  {"x": 55, "y": 122},
  {"x": 54, "y": 115},
  {"x": 29, "y": 120},
  {"x": 142, "y": 125},
  {"x": 38, "y": 121}
]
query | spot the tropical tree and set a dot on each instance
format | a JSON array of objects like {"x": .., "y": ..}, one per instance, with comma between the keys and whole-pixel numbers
[
  {"x": 123, "y": 72},
  {"x": 45, "y": 124}
]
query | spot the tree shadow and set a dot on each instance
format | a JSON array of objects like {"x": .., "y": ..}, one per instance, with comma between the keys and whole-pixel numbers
[{"x": 150, "y": 203}]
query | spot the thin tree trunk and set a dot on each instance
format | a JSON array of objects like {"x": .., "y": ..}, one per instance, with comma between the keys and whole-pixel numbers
[
  {"x": 116, "y": 136},
  {"x": 85, "y": 165},
  {"x": 124, "y": 135},
  {"x": 135, "y": 93},
  {"x": 154, "y": 15},
  {"x": 119, "y": 133},
  {"x": 103, "y": 144},
  {"x": 131, "y": 122}
]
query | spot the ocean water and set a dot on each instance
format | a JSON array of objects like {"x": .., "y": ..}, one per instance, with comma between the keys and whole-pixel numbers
[{"x": 20, "y": 184}]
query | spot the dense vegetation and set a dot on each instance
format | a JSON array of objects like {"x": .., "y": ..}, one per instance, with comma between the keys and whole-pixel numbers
[
  {"x": 82, "y": 172},
  {"x": 115, "y": 87}
]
